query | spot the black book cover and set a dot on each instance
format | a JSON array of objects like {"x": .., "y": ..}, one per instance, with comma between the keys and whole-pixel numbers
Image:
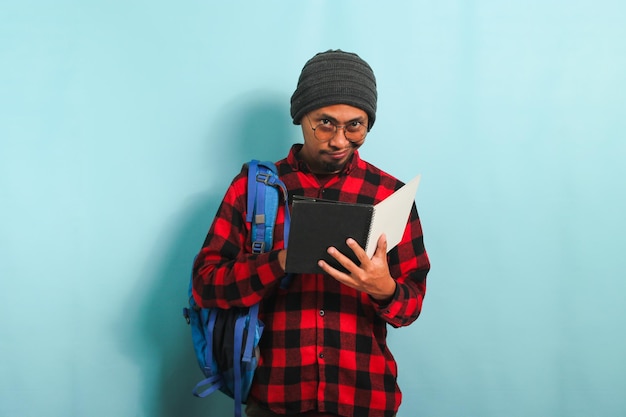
[{"x": 317, "y": 224}]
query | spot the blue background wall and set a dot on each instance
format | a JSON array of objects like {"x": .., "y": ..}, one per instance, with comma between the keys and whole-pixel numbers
[{"x": 122, "y": 123}]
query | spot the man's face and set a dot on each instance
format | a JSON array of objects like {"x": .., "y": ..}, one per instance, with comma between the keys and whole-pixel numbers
[{"x": 330, "y": 156}]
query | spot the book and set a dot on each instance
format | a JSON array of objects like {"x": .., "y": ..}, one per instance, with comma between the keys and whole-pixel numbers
[{"x": 317, "y": 224}]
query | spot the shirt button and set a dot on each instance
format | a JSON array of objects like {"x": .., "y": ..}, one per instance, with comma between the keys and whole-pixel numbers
[
  {"x": 322, "y": 313},
  {"x": 321, "y": 356}
]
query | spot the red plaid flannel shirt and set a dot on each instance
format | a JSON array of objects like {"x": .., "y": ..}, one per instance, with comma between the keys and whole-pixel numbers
[{"x": 324, "y": 345}]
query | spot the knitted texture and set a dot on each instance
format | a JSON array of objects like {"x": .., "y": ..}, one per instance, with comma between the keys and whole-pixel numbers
[{"x": 335, "y": 77}]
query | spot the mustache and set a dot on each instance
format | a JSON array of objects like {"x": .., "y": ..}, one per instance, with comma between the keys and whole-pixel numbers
[{"x": 352, "y": 145}]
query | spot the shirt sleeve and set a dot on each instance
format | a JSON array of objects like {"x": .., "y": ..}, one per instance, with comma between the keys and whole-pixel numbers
[
  {"x": 408, "y": 265},
  {"x": 225, "y": 272}
]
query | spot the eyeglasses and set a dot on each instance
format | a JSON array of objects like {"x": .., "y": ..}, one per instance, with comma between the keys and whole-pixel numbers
[{"x": 354, "y": 131}]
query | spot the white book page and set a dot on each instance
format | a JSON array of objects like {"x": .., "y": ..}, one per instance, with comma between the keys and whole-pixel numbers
[{"x": 391, "y": 216}]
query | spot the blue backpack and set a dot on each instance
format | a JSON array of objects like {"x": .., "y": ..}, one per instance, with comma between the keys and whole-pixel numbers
[{"x": 226, "y": 341}]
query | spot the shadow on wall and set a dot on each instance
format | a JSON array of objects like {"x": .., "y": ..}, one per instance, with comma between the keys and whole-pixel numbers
[{"x": 154, "y": 334}]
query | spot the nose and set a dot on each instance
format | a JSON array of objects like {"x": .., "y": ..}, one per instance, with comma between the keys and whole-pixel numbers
[{"x": 340, "y": 139}]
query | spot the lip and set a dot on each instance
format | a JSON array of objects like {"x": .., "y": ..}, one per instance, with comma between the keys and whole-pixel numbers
[{"x": 337, "y": 155}]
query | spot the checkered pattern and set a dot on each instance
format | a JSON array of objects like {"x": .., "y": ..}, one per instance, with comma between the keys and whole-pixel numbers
[{"x": 324, "y": 346}]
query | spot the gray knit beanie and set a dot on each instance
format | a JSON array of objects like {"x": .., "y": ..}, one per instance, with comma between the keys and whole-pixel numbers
[{"x": 335, "y": 77}]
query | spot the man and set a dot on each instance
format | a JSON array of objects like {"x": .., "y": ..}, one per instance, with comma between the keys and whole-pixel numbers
[{"x": 323, "y": 351}]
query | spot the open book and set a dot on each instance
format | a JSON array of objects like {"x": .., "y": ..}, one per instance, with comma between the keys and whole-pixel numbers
[{"x": 317, "y": 224}]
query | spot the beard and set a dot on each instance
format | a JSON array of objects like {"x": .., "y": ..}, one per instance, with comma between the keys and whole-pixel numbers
[{"x": 330, "y": 167}]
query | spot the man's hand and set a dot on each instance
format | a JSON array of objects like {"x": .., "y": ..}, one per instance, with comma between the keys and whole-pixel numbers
[
  {"x": 282, "y": 258},
  {"x": 371, "y": 277}
]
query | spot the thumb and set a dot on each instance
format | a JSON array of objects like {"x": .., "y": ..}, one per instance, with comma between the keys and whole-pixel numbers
[{"x": 381, "y": 246}]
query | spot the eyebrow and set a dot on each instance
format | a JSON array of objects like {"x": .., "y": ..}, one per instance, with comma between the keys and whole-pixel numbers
[{"x": 334, "y": 120}]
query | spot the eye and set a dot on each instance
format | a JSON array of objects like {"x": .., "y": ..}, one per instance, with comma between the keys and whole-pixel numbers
[
  {"x": 354, "y": 126},
  {"x": 325, "y": 122}
]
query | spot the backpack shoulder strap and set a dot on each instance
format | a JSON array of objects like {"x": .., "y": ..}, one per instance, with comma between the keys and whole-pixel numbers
[{"x": 264, "y": 191}]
